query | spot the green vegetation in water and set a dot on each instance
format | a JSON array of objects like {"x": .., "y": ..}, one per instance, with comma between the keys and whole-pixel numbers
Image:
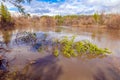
[
  {"x": 69, "y": 48},
  {"x": 56, "y": 52}
]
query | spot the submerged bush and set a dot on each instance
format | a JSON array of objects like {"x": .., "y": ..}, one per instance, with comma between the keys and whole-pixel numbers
[
  {"x": 66, "y": 46},
  {"x": 69, "y": 48},
  {"x": 88, "y": 47},
  {"x": 26, "y": 37}
]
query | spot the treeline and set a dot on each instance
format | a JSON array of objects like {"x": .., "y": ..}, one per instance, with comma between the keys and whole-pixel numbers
[
  {"x": 53, "y": 21},
  {"x": 97, "y": 20}
]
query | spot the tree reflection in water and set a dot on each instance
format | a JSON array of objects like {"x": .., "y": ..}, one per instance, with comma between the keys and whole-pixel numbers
[
  {"x": 6, "y": 35},
  {"x": 46, "y": 68}
]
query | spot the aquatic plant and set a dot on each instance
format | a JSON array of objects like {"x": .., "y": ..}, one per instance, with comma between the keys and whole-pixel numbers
[
  {"x": 56, "y": 52},
  {"x": 65, "y": 46},
  {"x": 88, "y": 47},
  {"x": 69, "y": 48}
]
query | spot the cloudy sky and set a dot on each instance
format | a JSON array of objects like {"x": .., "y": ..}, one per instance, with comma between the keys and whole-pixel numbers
[{"x": 65, "y": 7}]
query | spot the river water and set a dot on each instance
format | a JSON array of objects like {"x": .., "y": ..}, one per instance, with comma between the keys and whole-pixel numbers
[{"x": 48, "y": 67}]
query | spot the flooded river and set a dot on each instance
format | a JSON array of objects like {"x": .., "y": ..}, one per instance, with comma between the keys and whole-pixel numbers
[{"x": 48, "y": 67}]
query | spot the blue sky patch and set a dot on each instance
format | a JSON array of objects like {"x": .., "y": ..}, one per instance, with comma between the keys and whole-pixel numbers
[
  {"x": 13, "y": 9},
  {"x": 51, "y": 1}
]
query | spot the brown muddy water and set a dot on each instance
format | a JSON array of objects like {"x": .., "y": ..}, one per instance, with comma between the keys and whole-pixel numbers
[{"x": 48, "y": 67}]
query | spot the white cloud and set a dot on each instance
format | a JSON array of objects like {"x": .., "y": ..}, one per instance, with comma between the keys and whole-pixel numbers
[{"x": 72, "y": 7}]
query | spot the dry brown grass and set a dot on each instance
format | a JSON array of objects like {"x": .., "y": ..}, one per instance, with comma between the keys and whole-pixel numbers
[
  {"x": 106, "y": 21},
  {"x": 114, "y": 22}
]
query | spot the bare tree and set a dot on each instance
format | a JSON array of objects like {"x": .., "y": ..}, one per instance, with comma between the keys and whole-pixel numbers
[{"x": 18, "y": 4}]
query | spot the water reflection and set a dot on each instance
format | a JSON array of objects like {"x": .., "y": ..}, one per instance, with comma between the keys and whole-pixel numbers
[
  {"x": 46, "y": 68},
  {"x": 91, "y": 56},
  {"x": 102, "y": 75},
  {"x": 84, "y": 67},
  {"x": 102, "y": 37},
  {"x": 6, "y": 35}
]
